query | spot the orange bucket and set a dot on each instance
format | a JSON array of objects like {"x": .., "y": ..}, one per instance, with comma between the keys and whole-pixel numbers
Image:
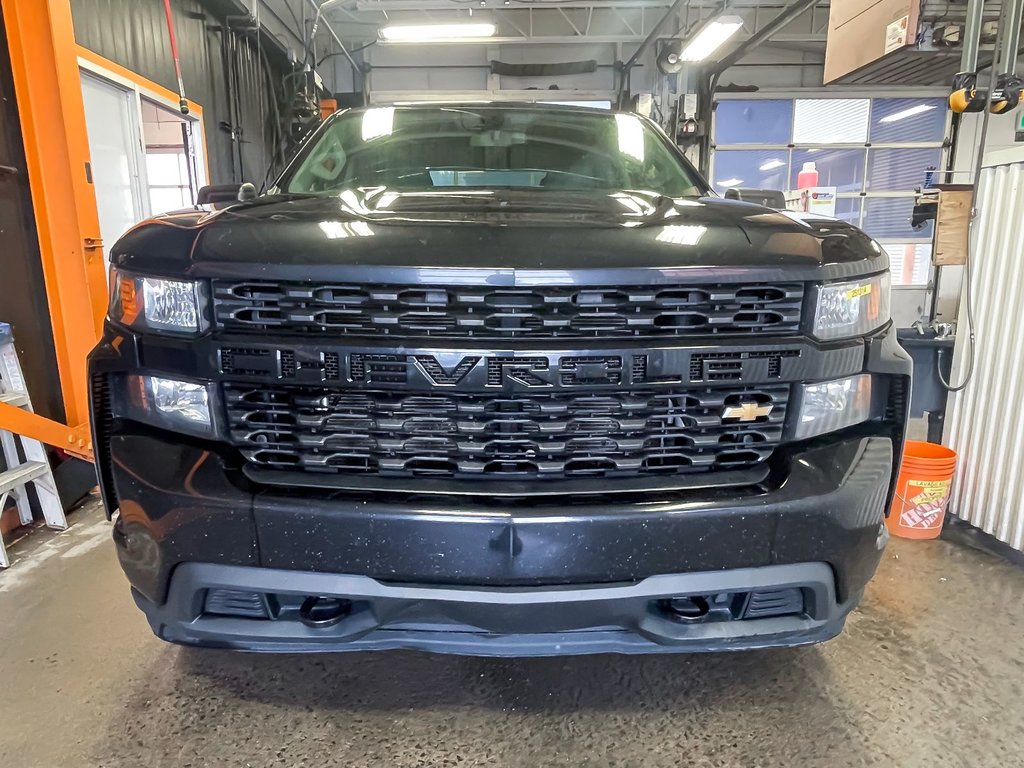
[{"x": 922, "y": 490}]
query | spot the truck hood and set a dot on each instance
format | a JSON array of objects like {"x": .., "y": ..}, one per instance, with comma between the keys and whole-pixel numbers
[{"x": 510, "y": 237}]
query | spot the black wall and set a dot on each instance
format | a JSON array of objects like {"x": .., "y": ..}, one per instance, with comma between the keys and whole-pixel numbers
[
  {"x": 22, "y": 290},
  {"x": 234, "y": 80}
]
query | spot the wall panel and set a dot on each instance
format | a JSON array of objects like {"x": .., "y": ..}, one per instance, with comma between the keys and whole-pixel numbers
[
  {"x": 224, "y": 69},
  {"x": 984, "y": 424}
]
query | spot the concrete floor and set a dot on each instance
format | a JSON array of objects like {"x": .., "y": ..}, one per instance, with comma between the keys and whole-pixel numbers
[{"x": 928, "y": 673}]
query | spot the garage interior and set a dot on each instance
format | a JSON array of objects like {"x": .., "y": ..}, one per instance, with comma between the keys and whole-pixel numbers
[{"x": 109, "y": 119}]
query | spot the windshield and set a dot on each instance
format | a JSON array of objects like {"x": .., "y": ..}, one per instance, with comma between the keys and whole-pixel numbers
[{"x": 431, "y": 148}]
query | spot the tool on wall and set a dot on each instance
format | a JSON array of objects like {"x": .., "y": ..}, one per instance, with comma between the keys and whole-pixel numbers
[
  {"x": 182, "y": 102},
  {"x": 965, "y": 96},
  {"x": 1004, "y": 93}
]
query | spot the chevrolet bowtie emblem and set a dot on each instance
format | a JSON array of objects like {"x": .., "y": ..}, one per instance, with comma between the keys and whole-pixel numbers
[{"x": 748, "y": 411}]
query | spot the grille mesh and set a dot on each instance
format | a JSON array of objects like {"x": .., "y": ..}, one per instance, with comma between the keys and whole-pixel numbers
[
  {"x": 102, "y": 424},
  {"x": 482, "y": 312},
  {"x": 553, "y": 435}
]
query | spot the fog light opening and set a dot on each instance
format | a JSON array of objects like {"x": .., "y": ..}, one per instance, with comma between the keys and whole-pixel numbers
[{"x": 320, "y": 612}]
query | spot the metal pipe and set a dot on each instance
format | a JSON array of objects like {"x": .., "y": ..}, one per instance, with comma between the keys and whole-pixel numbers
[
  {"x": 341, "y": 45},
  {"x": 284, "y": 24},
  {"x": 624, "y": 73},
  {"x": 651, "y": 35},
  {"x": 1008, "y": 55},
  {"x": 706, "y": 86},
  {"x": 785, "y": 16},
  {"x": 972, "y": 35}
]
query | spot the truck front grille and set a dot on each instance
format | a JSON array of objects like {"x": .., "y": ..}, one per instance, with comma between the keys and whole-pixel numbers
[
  {"x": 540, "y": 436},
  {"x": 102, "y": 424},
  {"x": 415, "y": 311}
]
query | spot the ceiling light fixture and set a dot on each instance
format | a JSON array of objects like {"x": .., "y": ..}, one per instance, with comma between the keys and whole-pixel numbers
[
  {"x": 436, "y": 33},
  {"x": 730, "y": 183},
  {"x": 710, "y": 38},
  {"x": 772, "y": 164},
  {"x": 904, "y": 114}
]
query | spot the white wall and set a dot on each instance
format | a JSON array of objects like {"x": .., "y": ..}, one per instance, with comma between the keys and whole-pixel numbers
[
  {"x": 771, "y": 66},
  {"x": 466, "y": 67}
]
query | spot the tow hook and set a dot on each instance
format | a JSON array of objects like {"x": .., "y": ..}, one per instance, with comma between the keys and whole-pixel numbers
[{"x": 320, "y": 612}]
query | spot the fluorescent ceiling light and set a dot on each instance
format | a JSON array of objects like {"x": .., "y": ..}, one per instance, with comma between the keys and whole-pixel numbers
[
  {"x": 771, "y": 165},
  {"x": 730, "y": 182},
  {"x": 710, "y": 38},
  {"x": 916, "y": 110},
  {"x": 435, "y": 33},
  {"x": 631, "y": 136}
]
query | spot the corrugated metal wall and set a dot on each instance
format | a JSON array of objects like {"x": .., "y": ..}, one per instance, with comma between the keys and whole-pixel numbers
[
  {"x": 986, "y": 426},
  {"x": 223, "y": 69}
]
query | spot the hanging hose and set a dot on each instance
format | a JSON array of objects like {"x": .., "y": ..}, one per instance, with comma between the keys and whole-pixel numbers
[
  {"x": 972, "y": 242},
  {"x": 182, "y": 102}
]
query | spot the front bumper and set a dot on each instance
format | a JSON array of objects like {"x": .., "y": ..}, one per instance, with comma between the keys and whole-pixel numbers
[
  {"x": 184, "y": 527},
  {"x": 495, "y": 622}
]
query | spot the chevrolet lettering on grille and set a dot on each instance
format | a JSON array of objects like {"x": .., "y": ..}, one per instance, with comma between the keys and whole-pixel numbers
[{"x": 461, "y": 371}]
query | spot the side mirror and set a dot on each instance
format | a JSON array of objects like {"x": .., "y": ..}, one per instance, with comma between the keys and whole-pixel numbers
[{"x": 225, "y": 193}]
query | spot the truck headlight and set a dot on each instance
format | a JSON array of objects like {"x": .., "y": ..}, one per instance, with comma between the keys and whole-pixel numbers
[
  {"x": 182, "y": 406},
  {"x": 171, "y": 306},
  {"x": 832, "y": 405},
  {"x": 854, "y": 308}
]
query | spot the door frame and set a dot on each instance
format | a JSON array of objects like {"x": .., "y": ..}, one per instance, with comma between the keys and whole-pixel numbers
[
  {"x": 141, "y": 87},
  {"x": 135, "y": 152}
]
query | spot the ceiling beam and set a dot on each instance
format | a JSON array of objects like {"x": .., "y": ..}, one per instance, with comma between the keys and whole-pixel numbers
[{"x": 447, "y": 5}]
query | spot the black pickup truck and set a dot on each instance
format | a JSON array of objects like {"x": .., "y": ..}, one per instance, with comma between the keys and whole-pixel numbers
[{"x": 497, "y": 379}]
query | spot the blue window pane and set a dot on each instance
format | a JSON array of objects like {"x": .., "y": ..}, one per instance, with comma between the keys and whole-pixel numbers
[
  {"x": 900, "y": 170},
  {"x": 895, "y": 121},
  {"x": 839, "y": 168},
  {"x": 889, "y": 217},
  {"x": 754, "y": 121},
  {"x": 831, "y": 121},
  {"x": 750, "y": 169},
  {"x": 848, "y": 209}
]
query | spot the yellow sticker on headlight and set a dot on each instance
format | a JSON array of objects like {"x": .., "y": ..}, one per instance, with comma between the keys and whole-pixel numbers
[{"x": 860, "y": 290}]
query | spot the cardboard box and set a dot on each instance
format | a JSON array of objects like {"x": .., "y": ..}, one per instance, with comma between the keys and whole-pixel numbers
[{"x": 861, "y": 32}]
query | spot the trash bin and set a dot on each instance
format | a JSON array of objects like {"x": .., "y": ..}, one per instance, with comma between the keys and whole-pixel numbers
[{"x": 922, "y": 490}]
